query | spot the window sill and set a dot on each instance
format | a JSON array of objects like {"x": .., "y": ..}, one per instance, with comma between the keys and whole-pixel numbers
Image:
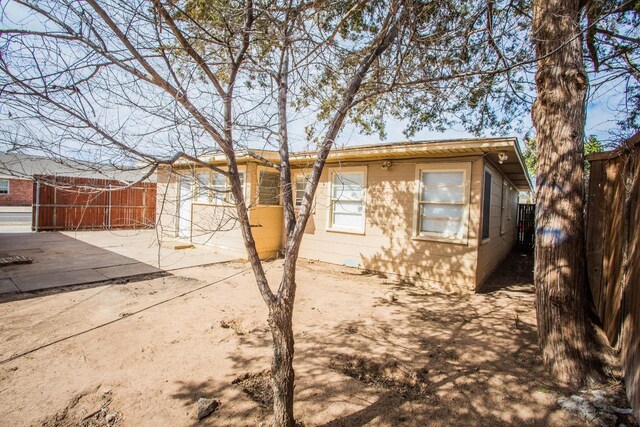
[
  {"x": 440, "y": 239},
  {"x": 345, "y": 231},
  {"x": 222, "y": 205}
]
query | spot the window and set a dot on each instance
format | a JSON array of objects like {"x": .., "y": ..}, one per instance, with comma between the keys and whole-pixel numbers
[
  {"x": 443, "y": 201},
  {"x": 269, "y": 189},
  {"x": 300, "y": 180},
  {"x": 347, "y": 200},
  {"x": 4, "y": 186},
  {"x": 298, "y": 191},
  {"x": 202, "y": 187},
  {"x": 230, "y": 196},
  {"x": 221, "y": 188},
  {"x": 486, "y": 205}
]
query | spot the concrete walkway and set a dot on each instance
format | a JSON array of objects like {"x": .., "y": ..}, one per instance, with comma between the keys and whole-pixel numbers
[{"x": 67, "y": 258}]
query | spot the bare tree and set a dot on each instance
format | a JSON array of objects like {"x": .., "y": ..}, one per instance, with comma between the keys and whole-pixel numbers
[{"x": 68, "y": 67}]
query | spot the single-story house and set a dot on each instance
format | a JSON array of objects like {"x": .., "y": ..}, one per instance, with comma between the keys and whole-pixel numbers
[{"x": 442, "y": 211}]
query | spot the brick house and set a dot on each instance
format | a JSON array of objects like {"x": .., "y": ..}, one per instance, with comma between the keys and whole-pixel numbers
[{"x": 15, "y": 191}]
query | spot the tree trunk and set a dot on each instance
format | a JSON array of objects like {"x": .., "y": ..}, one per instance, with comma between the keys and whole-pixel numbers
[
  {"x": 282, "y": 374},
  {"x": 563, "y": 304}
]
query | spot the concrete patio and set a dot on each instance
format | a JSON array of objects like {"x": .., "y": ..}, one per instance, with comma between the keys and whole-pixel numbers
[{"x": 68, "y": 258}]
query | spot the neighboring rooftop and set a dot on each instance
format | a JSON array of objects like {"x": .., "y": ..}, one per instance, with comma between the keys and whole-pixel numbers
[{"x": 19, "y": 165}]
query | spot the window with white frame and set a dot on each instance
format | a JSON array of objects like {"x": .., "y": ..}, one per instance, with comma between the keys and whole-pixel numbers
[
  {"x": 230, "y": 196},
  {"x": 486, "y": 205},
  {"x": 4, "y": 186},
  {"x": 202, "y": 187},
  {"x": 300, "y": 184},
  {"x": 347, "y": 196},
  {"x": 221, "y": 188},
  {"x": 218, "y": 187},
  {"x": 443, "y": 201}
]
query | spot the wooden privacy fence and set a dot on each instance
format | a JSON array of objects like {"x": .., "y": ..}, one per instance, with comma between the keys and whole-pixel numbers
[
  {"x": 526, "y": 226},
  {"x": 613, "y": 253},
  {"x": 65, "y": 203}
]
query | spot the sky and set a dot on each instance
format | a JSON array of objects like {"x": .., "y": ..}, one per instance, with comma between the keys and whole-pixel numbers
[{"x": 601, "y": 121}]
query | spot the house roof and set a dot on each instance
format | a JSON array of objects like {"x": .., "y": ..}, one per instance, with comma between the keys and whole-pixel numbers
[
  {"x": 513, "y": 166},
  {"x": 25, "y": 166}
]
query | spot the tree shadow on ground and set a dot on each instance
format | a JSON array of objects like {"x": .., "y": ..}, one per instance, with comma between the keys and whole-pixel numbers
[
  {"x": 474, "y": 356},
  {"x": 515, "y": 273}
]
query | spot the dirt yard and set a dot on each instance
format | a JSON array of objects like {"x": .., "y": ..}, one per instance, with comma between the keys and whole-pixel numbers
[{"x": 370, "y": 350}]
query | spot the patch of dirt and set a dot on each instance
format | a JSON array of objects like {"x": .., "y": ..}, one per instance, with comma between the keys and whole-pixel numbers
[
  {"x": 240, "y": 328},
  {"x": 390, "y": 375},
  {"x": 429, "y": 358},
  {"x": 446, "y": 318},
  {"x": 439, "y": 354},
  {"x": 89, "y": 409},
  {"x": 257, "y": 386}
]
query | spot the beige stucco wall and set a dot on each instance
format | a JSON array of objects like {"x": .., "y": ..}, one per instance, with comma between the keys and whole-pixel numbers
[
  {"x": 217, "y": 226},
  {"x": 267, "y": 224},
  {"x": 387, "y": 244}
]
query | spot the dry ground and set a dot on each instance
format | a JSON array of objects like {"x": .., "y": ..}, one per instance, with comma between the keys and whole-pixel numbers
[{"x": 142, "y": 353}]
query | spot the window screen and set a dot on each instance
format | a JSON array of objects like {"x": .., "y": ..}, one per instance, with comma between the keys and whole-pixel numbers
[
  {"x": 347, "y": 200},
  {"x": 441, "y": 203},
  {"x": 269, "y": 190},
  {"x": 300, "y": 186}
]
